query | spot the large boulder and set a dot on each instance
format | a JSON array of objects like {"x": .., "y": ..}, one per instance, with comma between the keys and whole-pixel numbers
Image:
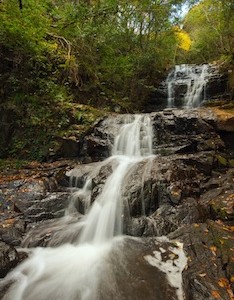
[
  {"x": 31, "y": 195},
  {"x": 209, "y": 247},
  {"x": 9, "y": 258}
]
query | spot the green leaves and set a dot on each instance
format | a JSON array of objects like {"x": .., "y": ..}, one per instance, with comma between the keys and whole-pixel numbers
[
  {"x": 106, "y": 53},
  {"x": 210, "y": 25}
]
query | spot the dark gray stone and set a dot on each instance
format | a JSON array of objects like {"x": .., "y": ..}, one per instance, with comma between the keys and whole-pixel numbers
[{"x": 9, "y": 258}]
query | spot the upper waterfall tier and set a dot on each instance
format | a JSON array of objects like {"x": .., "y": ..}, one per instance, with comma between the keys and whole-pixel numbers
[
  {"x": 192, "y": 81},
  {"x": 188, "y": 86}
]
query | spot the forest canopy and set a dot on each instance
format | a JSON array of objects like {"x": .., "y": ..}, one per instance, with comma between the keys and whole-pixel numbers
[{"x": 110, "y": 54}]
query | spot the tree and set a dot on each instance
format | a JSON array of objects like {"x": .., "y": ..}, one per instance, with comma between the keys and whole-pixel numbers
[{"x": 210, "y": 24}]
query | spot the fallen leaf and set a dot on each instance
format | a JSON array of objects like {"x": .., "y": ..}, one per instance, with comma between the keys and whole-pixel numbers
[
  {"x": 213, "y": 249},
  {"x": 202, "y": 274},
  {"x": 223, "y": 282},
  {"x": 172, "y": 256},
  {"x": 230, "y": 293},
  {"x": 216, "y": 294}
]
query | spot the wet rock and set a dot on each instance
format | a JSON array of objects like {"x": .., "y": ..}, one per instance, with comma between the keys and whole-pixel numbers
[
  {"x": 12, "y": 230},
  {"x": 175, "y": 131},
  {"x": 52, "y": 206},
  {"x": 31, "y": 199},
  {"x": 96, "y": 172},
  {"x": 53, "y": 232},
  {"x": 140, "y": 189},
  {"x": 216, "y": 87},
  {"x": 164, "y": 220},
  {"x": 154, "y": 225},
  {"x": 176, "y": 193},
  {"x": 224, "y": 120},
  {"x": 25, "y": 188},
  {"x": 134, "y": 268},
  {"x": 27, "y": 197},
  {"x": 97, "y": 144},
  {"x": 79, "y": 174},
  {"x": 166, "y": 196},
  {"x": 209, "y": 248},
  {"x": 218, "y": 196},
  {"x": 9, "y": 258},
  {"x": 22, "y": 193},
  {"x": 99, "y": 180},
  {"x": 95, "y": 148},
  {"x": 184, "y": 131}
]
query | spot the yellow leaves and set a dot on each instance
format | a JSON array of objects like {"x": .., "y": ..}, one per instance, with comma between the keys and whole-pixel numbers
[
  {"x": 50, "y": 45},
  {"x": 172, "y": 256},
  {"x": 223, "y": 282},
  {"x": 230, "y": 293},
  {"x": 7, "y": 223},
  {"x": 34, "y": 164},
  {"x": 183, "y": 38},
  {"x": 216, "y": 295},
  {"x": 213, "y": 249},
  {"x": 219, "y": 222},
  {"x": 228, "y": 228}
]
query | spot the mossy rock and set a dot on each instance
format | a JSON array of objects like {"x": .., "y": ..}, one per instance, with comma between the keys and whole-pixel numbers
[
  {"x": 222, "y": 161},
  {"x": 210, "y": 251},
  {"x": 231, "y": 163},
  {"x": 223, "y": 207}
]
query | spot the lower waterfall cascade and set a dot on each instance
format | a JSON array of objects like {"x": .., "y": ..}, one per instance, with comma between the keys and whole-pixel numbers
[{"x": 88, "y": 258}]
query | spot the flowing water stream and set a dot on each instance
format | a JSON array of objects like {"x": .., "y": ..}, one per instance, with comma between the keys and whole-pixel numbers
[
  {"x": 92, "y": 260},
  {"x": 191, "y": 80}
]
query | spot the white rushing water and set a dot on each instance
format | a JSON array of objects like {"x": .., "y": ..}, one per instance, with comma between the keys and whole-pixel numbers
[
  {"x": 91, "y": 259},
  {"x": 73, "y": 271},
  {"x": 194, "y": 78},
  {"x": 104, "y": 220},
  {"x": 173, "y": 266}
]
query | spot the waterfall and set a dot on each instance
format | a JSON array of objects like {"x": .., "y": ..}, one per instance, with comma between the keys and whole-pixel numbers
[
  {"x": 134, "y": 141},
  {"x": 64, "y": 272},
  {"x": 170, "y": 82},
  {"x": 186, "y": 84},
  {"x": 135, "y": 137}
]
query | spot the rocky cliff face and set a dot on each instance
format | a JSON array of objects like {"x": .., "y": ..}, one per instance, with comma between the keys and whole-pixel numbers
[
  {"x": 187, "y": 194},
  {"x": 201, "y": 82}
]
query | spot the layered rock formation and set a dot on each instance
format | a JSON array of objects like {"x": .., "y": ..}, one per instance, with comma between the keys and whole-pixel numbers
[
  {"x": 187, "y": 194},
  {"x": 191, "y": 86}
]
